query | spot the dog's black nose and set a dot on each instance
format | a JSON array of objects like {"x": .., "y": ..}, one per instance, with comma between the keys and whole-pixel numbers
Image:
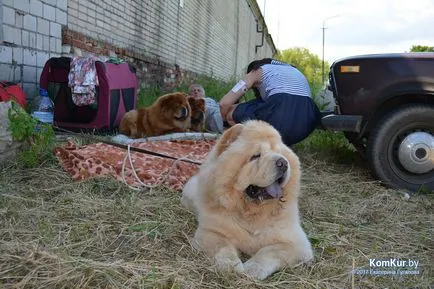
[{"x": 282, "y": 165}]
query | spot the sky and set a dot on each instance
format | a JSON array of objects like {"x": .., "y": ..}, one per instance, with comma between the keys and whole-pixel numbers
[{"x": 353, "y": 27}]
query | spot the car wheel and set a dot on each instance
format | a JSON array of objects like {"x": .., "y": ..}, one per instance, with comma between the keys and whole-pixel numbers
[{"x": 400, "y": 148}]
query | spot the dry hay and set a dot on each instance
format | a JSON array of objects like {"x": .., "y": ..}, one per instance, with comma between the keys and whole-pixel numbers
[{"x": 55, "y": 233}]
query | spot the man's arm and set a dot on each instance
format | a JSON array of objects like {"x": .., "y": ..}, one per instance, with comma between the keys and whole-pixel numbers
[{"x": 238, "y": 91}]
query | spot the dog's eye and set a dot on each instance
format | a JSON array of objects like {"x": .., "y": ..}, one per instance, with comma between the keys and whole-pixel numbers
[{"x": 256, "y": 156}]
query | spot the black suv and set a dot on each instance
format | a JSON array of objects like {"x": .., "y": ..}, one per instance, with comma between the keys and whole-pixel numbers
[{"x": 385, "y": 106}]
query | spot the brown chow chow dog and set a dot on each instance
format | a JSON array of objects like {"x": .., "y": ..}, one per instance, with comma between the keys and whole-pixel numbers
[
  {"x": 245, "y": 197},
  {"x": 197, "y": 114},
  {"x": 168, "y": 114}
]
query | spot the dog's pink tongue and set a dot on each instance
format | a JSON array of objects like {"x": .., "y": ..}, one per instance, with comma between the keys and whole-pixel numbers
[{"x": 274, "y": 190}]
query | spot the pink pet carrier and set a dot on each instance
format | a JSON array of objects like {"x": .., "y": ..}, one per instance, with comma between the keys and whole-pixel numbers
[{"x": 116, "y": 94}]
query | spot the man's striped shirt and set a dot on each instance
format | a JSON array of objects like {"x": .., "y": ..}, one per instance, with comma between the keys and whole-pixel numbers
[{"x": 280, "y": 77}]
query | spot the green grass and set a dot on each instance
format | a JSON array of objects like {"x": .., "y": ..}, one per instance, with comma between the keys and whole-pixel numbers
[
  {"x": 328, "y": 145},
  {"x": 58, "y": 233},
  {"x": 147, "y": 96},
  {"x": 98, "y": 233},
  {"x": 214, "y": 88}
]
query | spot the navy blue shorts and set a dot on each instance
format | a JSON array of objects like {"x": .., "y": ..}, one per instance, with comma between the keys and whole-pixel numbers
[{"x": 293, "y": 116}]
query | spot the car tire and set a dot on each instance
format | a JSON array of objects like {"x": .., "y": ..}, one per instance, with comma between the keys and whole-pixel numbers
[{"x": 400, "y": 148}]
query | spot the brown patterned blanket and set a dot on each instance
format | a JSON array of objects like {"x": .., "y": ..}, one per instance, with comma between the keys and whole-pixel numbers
[{"x": 99, "y": 159}]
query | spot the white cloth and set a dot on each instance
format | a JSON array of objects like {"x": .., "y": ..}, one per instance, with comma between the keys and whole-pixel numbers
[{"x": 123, "y": 139}]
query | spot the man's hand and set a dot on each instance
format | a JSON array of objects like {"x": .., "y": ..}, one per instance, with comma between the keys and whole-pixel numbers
[
  {"x": 224, "y": 108},
  {"x": 227, "y": 102}
]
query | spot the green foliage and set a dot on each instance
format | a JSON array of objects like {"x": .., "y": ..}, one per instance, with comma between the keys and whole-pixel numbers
[
  {"x": 38, "y": 140},
  {"x": 421, "y": 48},
  {"x": 328, "y": 144},
  {"x": 21, "y": 125},
  {"x": 146, "y": 96},
  {"x": 308, "y": 63},
  {"x": 217, "y": 88},
  {"x": 214, "y": 88}
]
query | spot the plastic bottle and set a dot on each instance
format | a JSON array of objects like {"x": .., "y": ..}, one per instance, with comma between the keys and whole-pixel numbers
[{"x": 43, "y": 107}]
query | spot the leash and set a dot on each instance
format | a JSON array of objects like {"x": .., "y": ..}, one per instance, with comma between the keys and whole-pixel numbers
[
  {"x": 126, "y": 147},
  {"x": 165, "y": 177}
]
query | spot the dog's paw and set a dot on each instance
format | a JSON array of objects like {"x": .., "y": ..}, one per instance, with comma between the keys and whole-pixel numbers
[
  {"x": 228, "y": 265},
  {"x": 256, "y": 270}
]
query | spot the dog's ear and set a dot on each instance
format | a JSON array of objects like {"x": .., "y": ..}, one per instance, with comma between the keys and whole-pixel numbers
[
  {"x": 228, "y": 137},
  {"x": 201, "y": 103},
  {"x": 197, "y": 102}
]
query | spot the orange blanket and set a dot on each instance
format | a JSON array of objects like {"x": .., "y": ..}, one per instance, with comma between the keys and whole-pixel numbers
[{"x": 94, "y": 160}]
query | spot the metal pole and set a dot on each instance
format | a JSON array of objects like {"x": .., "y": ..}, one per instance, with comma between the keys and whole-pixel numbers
[
  {"x": 323, "y": 45},
  {"x": 323, "y": 41},
  {"x": 264, "y": 8}
]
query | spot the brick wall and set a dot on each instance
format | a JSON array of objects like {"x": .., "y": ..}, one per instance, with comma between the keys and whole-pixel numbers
[
  {"x": 31, "y": 34},
  {"x": 217, "y": 38},
  {"x": 168, "y": 40}
]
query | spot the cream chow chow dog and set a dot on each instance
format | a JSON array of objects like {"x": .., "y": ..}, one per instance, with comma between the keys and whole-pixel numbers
[{"x": 245, "y": 197}]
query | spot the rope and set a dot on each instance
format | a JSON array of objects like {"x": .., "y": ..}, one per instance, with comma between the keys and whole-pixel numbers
[
  {"x": 145, "y": 151},
  {"x": 128, "y": 157},
  {"x": 162, "y": 180}
]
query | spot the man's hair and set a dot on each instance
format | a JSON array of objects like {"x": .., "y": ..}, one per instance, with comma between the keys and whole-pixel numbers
[
  {"x": 254, "y": 65},
  {"x": 195, "y": 85}
]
